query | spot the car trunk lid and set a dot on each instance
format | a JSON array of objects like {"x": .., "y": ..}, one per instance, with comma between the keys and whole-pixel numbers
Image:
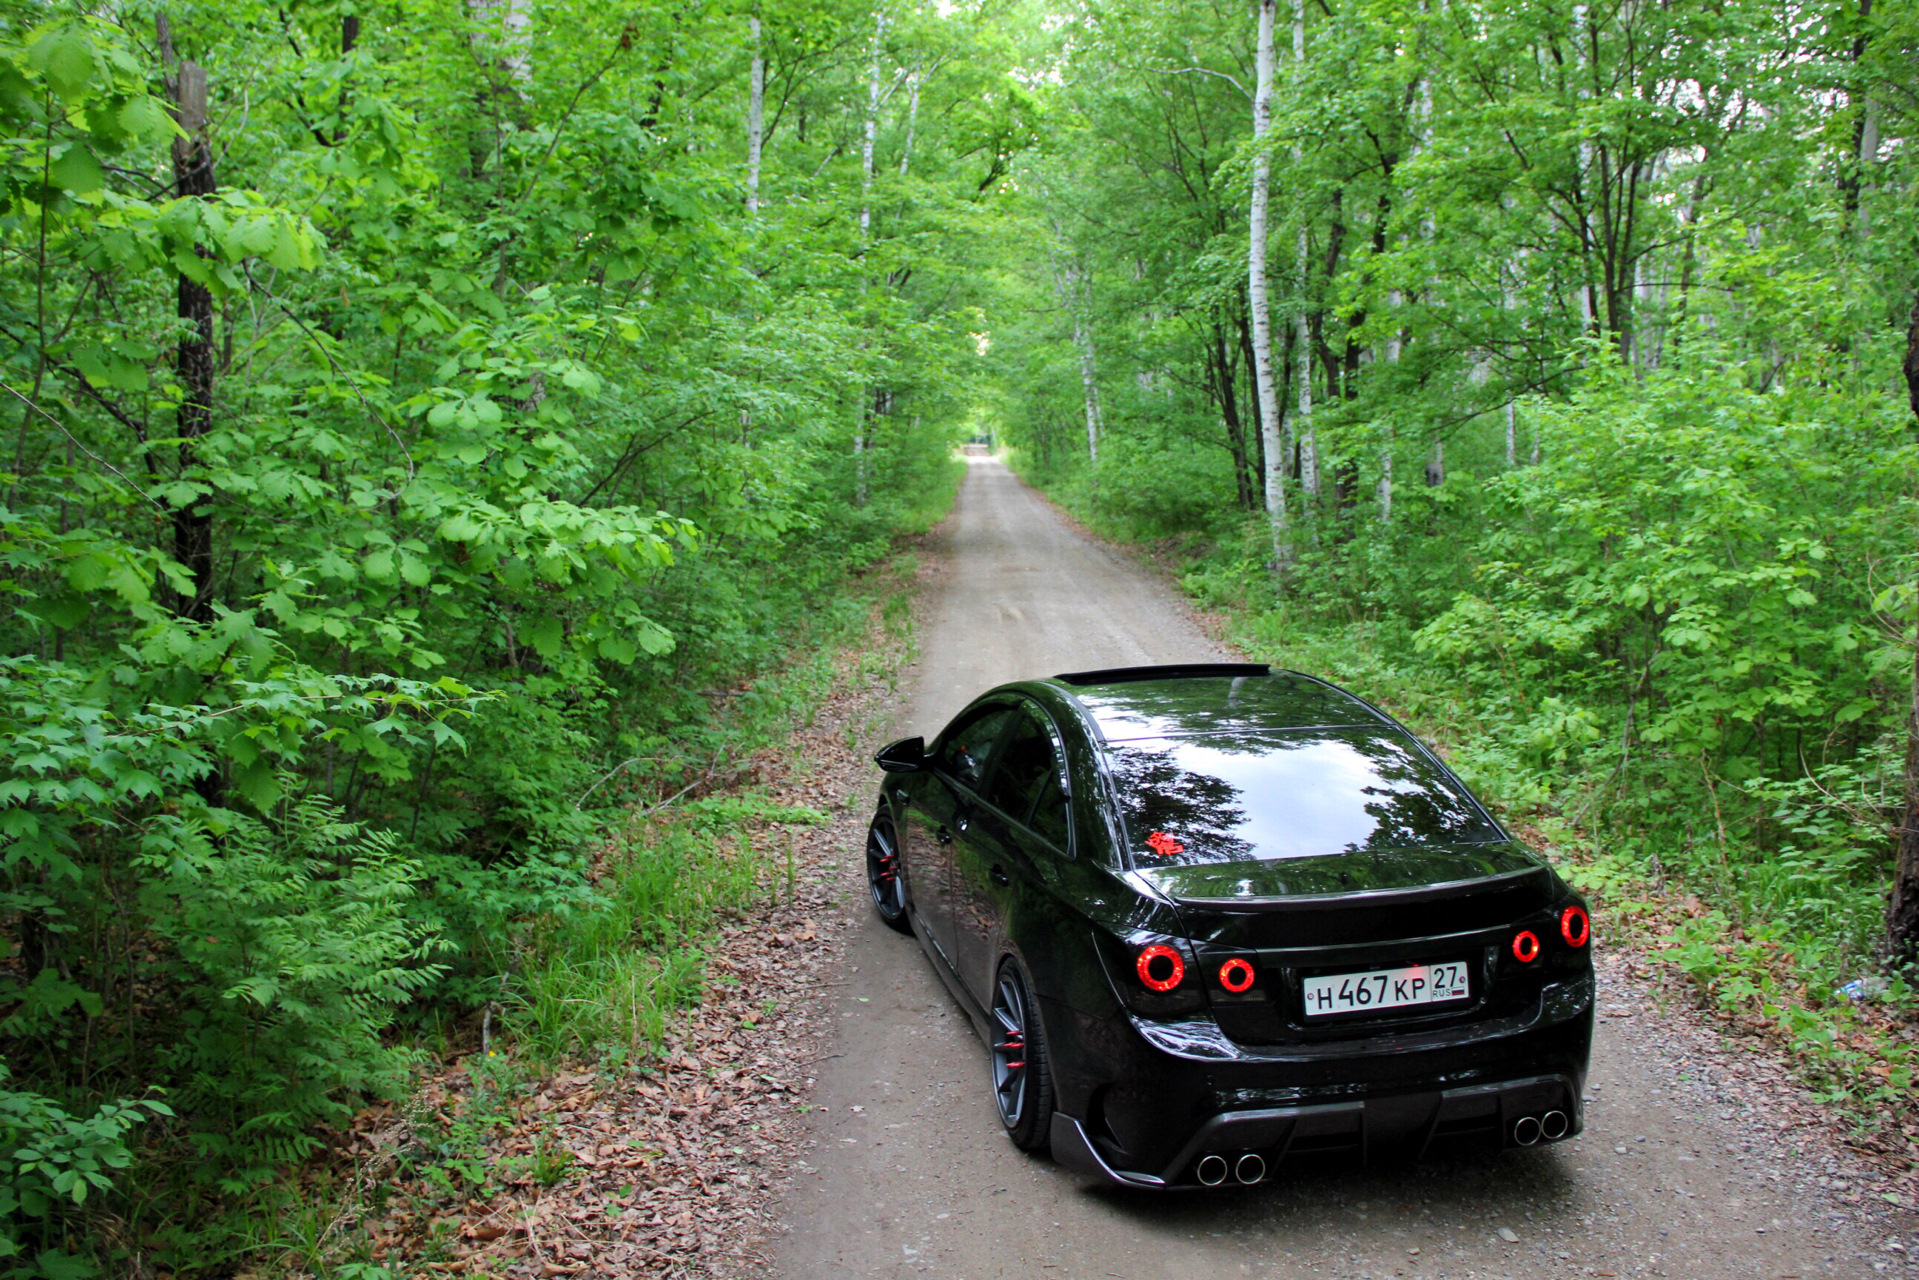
[{"x": 1352, "y": 898}]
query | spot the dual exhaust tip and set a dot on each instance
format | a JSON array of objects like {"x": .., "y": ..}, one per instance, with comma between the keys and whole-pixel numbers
[
  {"x": 1550, "y": 1127},
  {"x": 1212, "y": 1170},
  {"x": 1247, "y": 1169}
]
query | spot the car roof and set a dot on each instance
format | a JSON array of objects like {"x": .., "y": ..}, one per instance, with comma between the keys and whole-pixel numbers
[{"x": 1205, "y": 698}]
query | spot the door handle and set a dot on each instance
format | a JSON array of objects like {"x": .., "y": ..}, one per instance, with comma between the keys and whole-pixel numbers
[{"x": 998, "y": 874}]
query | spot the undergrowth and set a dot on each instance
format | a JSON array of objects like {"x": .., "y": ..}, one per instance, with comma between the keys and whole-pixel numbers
[{"x": 597, "y": 991}]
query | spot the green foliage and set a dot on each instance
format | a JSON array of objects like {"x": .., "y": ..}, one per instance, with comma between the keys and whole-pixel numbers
[
  {"x": 506, "y": 445},
  {"x": 296, "y": 942},
  {"x": 50, "y": 1163},
  {"x": 1586, "y": 329}
]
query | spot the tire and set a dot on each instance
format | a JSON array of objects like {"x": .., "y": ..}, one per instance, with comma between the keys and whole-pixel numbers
[
  {"x": 1022, "y": 1071},
  {"x": 883, "y": 876}
]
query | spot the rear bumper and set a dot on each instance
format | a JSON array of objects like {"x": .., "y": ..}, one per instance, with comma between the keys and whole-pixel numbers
[
  {"x": 1142, "y": 1101},
  {"x": 1408, "y": 1123}
]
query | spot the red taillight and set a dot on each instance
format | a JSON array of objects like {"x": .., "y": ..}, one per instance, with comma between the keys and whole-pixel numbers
[
  {"x": 1525, "y": 946},
  {"x": 1160, "y": 967},
  {"x": 1574, "y": 927},
  {"x": 1236, "y": 975}
]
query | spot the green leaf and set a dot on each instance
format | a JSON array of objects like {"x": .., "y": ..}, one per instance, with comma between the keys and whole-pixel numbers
[
  {"x": 546, "y": 636},
  {"x": 145, "y": 119},
  {"x": 620, "y": 649},
  {"x": 64, "y": 56},
  {"x": 289, "y": 251},
  {"x": 654, "y": 638},
  {"x": 77, "y": 171},
  {"x": 258, "y": 784},
  {"x": 461, "y": 528}
]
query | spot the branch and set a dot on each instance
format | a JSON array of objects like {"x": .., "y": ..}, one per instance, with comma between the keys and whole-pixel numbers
[
  {"x": 1208, "y": 71},
  {"x": 81, "y": 446}
]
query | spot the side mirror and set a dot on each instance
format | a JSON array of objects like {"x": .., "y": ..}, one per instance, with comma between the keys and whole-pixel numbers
[{"x": 908, "y": 755}]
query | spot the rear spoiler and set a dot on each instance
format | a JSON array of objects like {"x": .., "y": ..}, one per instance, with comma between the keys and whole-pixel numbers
[
  {"x": 1374, "y": 898},
  {"x": 1168, "y": 671}
]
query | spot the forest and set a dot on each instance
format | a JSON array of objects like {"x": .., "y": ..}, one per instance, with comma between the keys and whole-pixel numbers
[
  {"x": 1548, "y": 371},
  {"x": 433, "y": 423}
]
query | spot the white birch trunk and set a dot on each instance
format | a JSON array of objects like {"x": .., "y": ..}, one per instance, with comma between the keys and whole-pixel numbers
[
  {"x": 1394, "y": 299},
  {"x": 513, "y": 34},
  {"x": 1586, "y": 309},
  {"x": 755, "y": 119},
  {"x": 912, "y": 119},
  {"x": 872, "y": 131},
  {"x": 1868, "y": 157},
  {"x": 1089, "y": 381},
  {"x": 1256, "y": 296},
  {"x": 866, "y": 229},
  {"x": 1308, "y": 437}
]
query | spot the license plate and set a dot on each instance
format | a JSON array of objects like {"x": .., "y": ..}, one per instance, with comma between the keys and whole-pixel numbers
[{"x": 1386, "y": 989}]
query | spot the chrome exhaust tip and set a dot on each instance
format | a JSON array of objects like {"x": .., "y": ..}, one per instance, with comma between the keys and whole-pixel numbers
[
  {"x": 1526, "y": 1131},
  {"x": 1554, "y": 1125},
  {"x": 1250, "y": 1169},
  {"x": 1211, "y": 1170}
]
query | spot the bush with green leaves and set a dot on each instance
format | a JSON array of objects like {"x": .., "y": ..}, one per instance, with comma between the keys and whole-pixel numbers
[{"x": 51, "y": 1162}]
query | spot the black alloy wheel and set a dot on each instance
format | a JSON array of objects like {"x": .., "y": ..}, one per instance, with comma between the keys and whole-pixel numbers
[
  {"x": 1022, "y": 1082},
  {"x": 883, "y": 873}
]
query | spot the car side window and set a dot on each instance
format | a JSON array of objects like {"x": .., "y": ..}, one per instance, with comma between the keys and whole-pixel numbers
[
  {"x": 1050, "y": 818},
  {"x": 1026, "y": 784},
  {"x": 967, "y": 751}
]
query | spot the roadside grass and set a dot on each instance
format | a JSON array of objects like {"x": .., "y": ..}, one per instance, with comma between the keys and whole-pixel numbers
[
  {"x": 602, "y": 985},
  {"x": 593, "y": 991}
]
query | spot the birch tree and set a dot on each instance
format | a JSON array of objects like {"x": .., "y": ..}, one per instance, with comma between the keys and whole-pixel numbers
[
  {"x": 1302, "y": 329},
  {"x": 1256, "y": 294},
  {"x": 871, "y": 408},
  {"x": 755, "y": 116}
]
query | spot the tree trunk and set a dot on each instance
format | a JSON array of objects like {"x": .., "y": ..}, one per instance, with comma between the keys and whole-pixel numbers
[
  {"x": 912, "y": 119},
  {"x": 1089, "y": 382},
  {"x": 755, "y": 119},
  {"x": 1308, "y": 437},
  {"x": 866, "y": 228},
  {"x": 1256, "y": 298},
  {"x": 1226, "y": 395},
  {"x": 193, "y": 358},
  {"x": 1255, "y": 438},
  {"x": 1902, "y": 911},
  {"x": 872, "y": 130},
  {"x": 1865, "y": 126}
]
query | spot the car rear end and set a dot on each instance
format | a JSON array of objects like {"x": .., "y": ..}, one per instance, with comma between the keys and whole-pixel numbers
[{"x": 1365, "y": 963}]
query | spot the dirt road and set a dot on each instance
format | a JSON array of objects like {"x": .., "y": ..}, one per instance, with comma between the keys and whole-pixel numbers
[{"x": 1687, "y": 1168}]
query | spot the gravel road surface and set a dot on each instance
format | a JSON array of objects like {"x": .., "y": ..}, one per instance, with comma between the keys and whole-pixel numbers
[{"x": 1694, "y": 1164}]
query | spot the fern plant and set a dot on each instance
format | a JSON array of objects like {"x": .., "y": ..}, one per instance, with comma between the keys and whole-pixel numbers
[{"x": 295, "y": 944}]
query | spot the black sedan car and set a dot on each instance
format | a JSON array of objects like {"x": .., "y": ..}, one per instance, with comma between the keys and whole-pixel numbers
[{"x": 1208, "y": 918}]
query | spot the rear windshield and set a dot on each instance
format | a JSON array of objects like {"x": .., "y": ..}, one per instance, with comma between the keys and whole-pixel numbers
[{"x": 1241, "y": 797}]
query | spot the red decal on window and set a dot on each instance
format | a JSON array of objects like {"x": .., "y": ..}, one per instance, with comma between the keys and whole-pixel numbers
[{"x": 1164, "y": 845}]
